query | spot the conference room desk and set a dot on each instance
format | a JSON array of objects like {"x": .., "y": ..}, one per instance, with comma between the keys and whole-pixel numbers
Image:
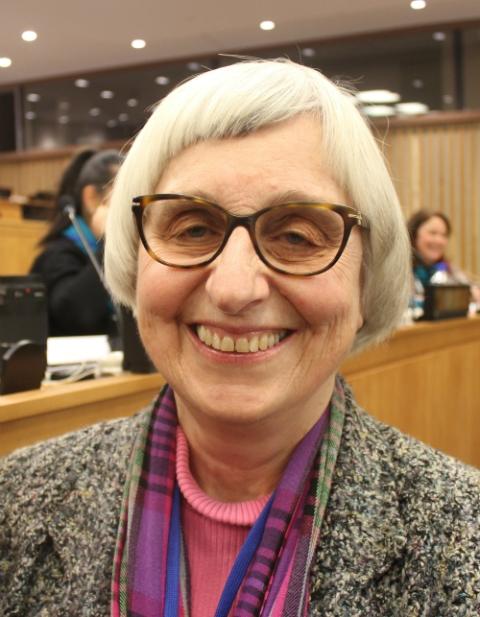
[
  {"x": 27, "y": 417},
  {"x": 425, "y": 381}
]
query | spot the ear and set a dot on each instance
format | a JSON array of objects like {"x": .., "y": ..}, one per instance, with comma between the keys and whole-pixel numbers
[{"x": 91, "y": 199}]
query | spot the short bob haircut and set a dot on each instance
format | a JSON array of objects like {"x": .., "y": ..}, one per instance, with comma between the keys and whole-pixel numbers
[{"x": 235, "y": 101}]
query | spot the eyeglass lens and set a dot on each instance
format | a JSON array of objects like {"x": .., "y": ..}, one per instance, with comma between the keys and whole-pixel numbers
[{"x": 294, "y": 238}]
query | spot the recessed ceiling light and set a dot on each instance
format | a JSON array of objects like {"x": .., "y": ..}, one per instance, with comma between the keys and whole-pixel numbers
[
  {"x": 64, "y": 119},
  {"x": 95, "y": 111},
  {"x": 162, "y": 80},
  {"x": 5, "y": 62},
  {"x": 308, "y": 52},
  {"x": 29, "y": 36},
  {"x": 378, "y": 111},
  {"x": 112, "y": 124},
  {"x": 378, "y": 96},
  {"x": 138, "y": 44},
  {"x": 107, "y": 94},
  {"x": 132, "y": 102},
  {"x": 82, "y": 83},
  {"x": 33, "y": 97},
  {"x": 30, "y": 115},
  {"x": 63, "y": 105},
  {"x": 417, "y": 83},
  {"x": 417, "y": 5},
  {"x": 267, "y": 24},
  {"x": 123, "y": 117},
  {"x": 194, "y": 66},
  {"x": 448, "y": 99},
  {"x": 411, "y": 108},
  {"x": 439, "y": 36}
]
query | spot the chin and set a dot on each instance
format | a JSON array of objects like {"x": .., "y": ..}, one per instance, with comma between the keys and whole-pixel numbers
[{"x": 232, "y": 404}]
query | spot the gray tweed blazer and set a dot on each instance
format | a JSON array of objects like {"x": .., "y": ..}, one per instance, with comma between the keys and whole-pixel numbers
[{"x": 401, "y": 537}]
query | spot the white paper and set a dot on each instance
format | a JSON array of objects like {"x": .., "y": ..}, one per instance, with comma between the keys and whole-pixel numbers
[{"x": 76, "y": 349}]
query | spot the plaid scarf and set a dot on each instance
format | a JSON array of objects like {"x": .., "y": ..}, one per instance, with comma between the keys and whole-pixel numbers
[{"x": 276, "y": 583}]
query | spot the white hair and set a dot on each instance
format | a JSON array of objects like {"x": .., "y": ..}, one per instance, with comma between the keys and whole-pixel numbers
[{"x": 237, "y": 100}]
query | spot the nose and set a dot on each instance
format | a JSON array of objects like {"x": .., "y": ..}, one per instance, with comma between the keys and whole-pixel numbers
[{"x": 237, "y": 279}]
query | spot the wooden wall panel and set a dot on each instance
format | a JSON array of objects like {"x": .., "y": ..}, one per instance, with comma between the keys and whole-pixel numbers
[
  {"x": 27, "y": 176},
  {"x": 437, "y": 166},
  {"x": 18, "y": 245}
]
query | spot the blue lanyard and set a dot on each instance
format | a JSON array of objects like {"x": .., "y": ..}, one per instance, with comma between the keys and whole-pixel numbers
[{"x": 237, "y": 573}]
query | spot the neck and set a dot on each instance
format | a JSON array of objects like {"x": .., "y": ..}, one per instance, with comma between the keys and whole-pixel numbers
[{"x": 235, "y": 462}]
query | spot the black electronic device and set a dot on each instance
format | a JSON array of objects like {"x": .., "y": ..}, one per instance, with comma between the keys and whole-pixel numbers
[
  {"x": 23, "y": 309},
  {"x": 22, "y": 366},
  {"x": 444, "y": 301}
]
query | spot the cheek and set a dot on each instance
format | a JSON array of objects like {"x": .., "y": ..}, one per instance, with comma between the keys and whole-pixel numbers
[{"x": 161, "y": 291}]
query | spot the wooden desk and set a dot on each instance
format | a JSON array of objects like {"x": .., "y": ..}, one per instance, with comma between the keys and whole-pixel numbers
[
  {"x": 426, "y": 382},
  {"x": 10, "y": 210},
  {"x": 18, "y": 244},
  {"x": 27, "y": 417}
]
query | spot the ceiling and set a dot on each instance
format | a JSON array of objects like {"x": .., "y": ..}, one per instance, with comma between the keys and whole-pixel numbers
[{"x": 77, "y": 36}]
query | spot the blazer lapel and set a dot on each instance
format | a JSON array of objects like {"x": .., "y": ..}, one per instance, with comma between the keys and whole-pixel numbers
[{"x": 363, "y": 532}]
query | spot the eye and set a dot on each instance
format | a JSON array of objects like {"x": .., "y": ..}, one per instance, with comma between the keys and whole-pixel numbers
[{"x": 295, "y": 238}]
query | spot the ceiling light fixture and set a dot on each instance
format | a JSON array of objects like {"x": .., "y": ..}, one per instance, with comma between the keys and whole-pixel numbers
[
  {"x": 112, "y": 124},
  {"x": 64, "y": 119},
  {"x": 5, "y": 62},
  {"x": 82, "y": 83},
  {"x": 123, "y": 117},
  {"x": 378, "y": 111},
  {"x": 132, "y": 102},
  {"x": 411, "y": 108},
  {"x": 378, "y": 96},
  {"x": 138, "y": 44},
  {"x": 107, "y": 94},
  {"x": 267, "y": 24},
  {"x": 95, "y": 111},
  {"x": 417, "y": 5},
  {"x": 162, "y": 80},
  {"x": 417, "y": 83},
  {"x": 194, "y": 66},
  {"x": 33, "y": 97},
  {"x": 30, "y": 115},
  {"x": 439, "y": 36},
  {"x": 308, "y": 52},
  {"x": 29, "y": 36}
]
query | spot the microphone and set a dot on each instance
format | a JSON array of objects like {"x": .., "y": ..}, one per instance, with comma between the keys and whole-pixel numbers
[{"x": 67, "y": 205}]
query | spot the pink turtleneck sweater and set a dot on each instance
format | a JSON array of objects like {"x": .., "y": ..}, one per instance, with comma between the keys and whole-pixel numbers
[{"x": 214, "y": 532}]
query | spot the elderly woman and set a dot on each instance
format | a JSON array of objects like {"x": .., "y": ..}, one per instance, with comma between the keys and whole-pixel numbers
[{"x": 265, "y": 242}]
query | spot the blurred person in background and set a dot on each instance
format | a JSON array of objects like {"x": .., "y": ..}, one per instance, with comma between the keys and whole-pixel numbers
[
  {"x": 78, "y": 303},
  {"x": 429, "y": 235}
]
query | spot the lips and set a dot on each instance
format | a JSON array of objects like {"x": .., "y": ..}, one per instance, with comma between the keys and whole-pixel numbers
[{"x": 239, "y": 344}]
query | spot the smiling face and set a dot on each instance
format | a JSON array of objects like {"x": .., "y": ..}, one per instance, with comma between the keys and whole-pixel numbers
[
  {"x": 432, "y": 239},
  {"x": 238, "y": 342}
]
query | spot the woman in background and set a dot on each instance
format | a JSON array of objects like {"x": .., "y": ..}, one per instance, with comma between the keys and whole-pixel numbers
[
  {"x": 78, "y": 303},
  {"x": 429, "y": 234}
]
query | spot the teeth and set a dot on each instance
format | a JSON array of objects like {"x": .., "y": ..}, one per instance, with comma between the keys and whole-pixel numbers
[{"x": 241, "y": 345}]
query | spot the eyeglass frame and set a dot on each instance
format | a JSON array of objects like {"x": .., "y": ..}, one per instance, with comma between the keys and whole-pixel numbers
[{"x": 351, "y": 218}]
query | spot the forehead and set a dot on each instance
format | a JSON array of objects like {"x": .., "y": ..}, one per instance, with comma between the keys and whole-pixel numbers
[{"x": 283, "y": 159}]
